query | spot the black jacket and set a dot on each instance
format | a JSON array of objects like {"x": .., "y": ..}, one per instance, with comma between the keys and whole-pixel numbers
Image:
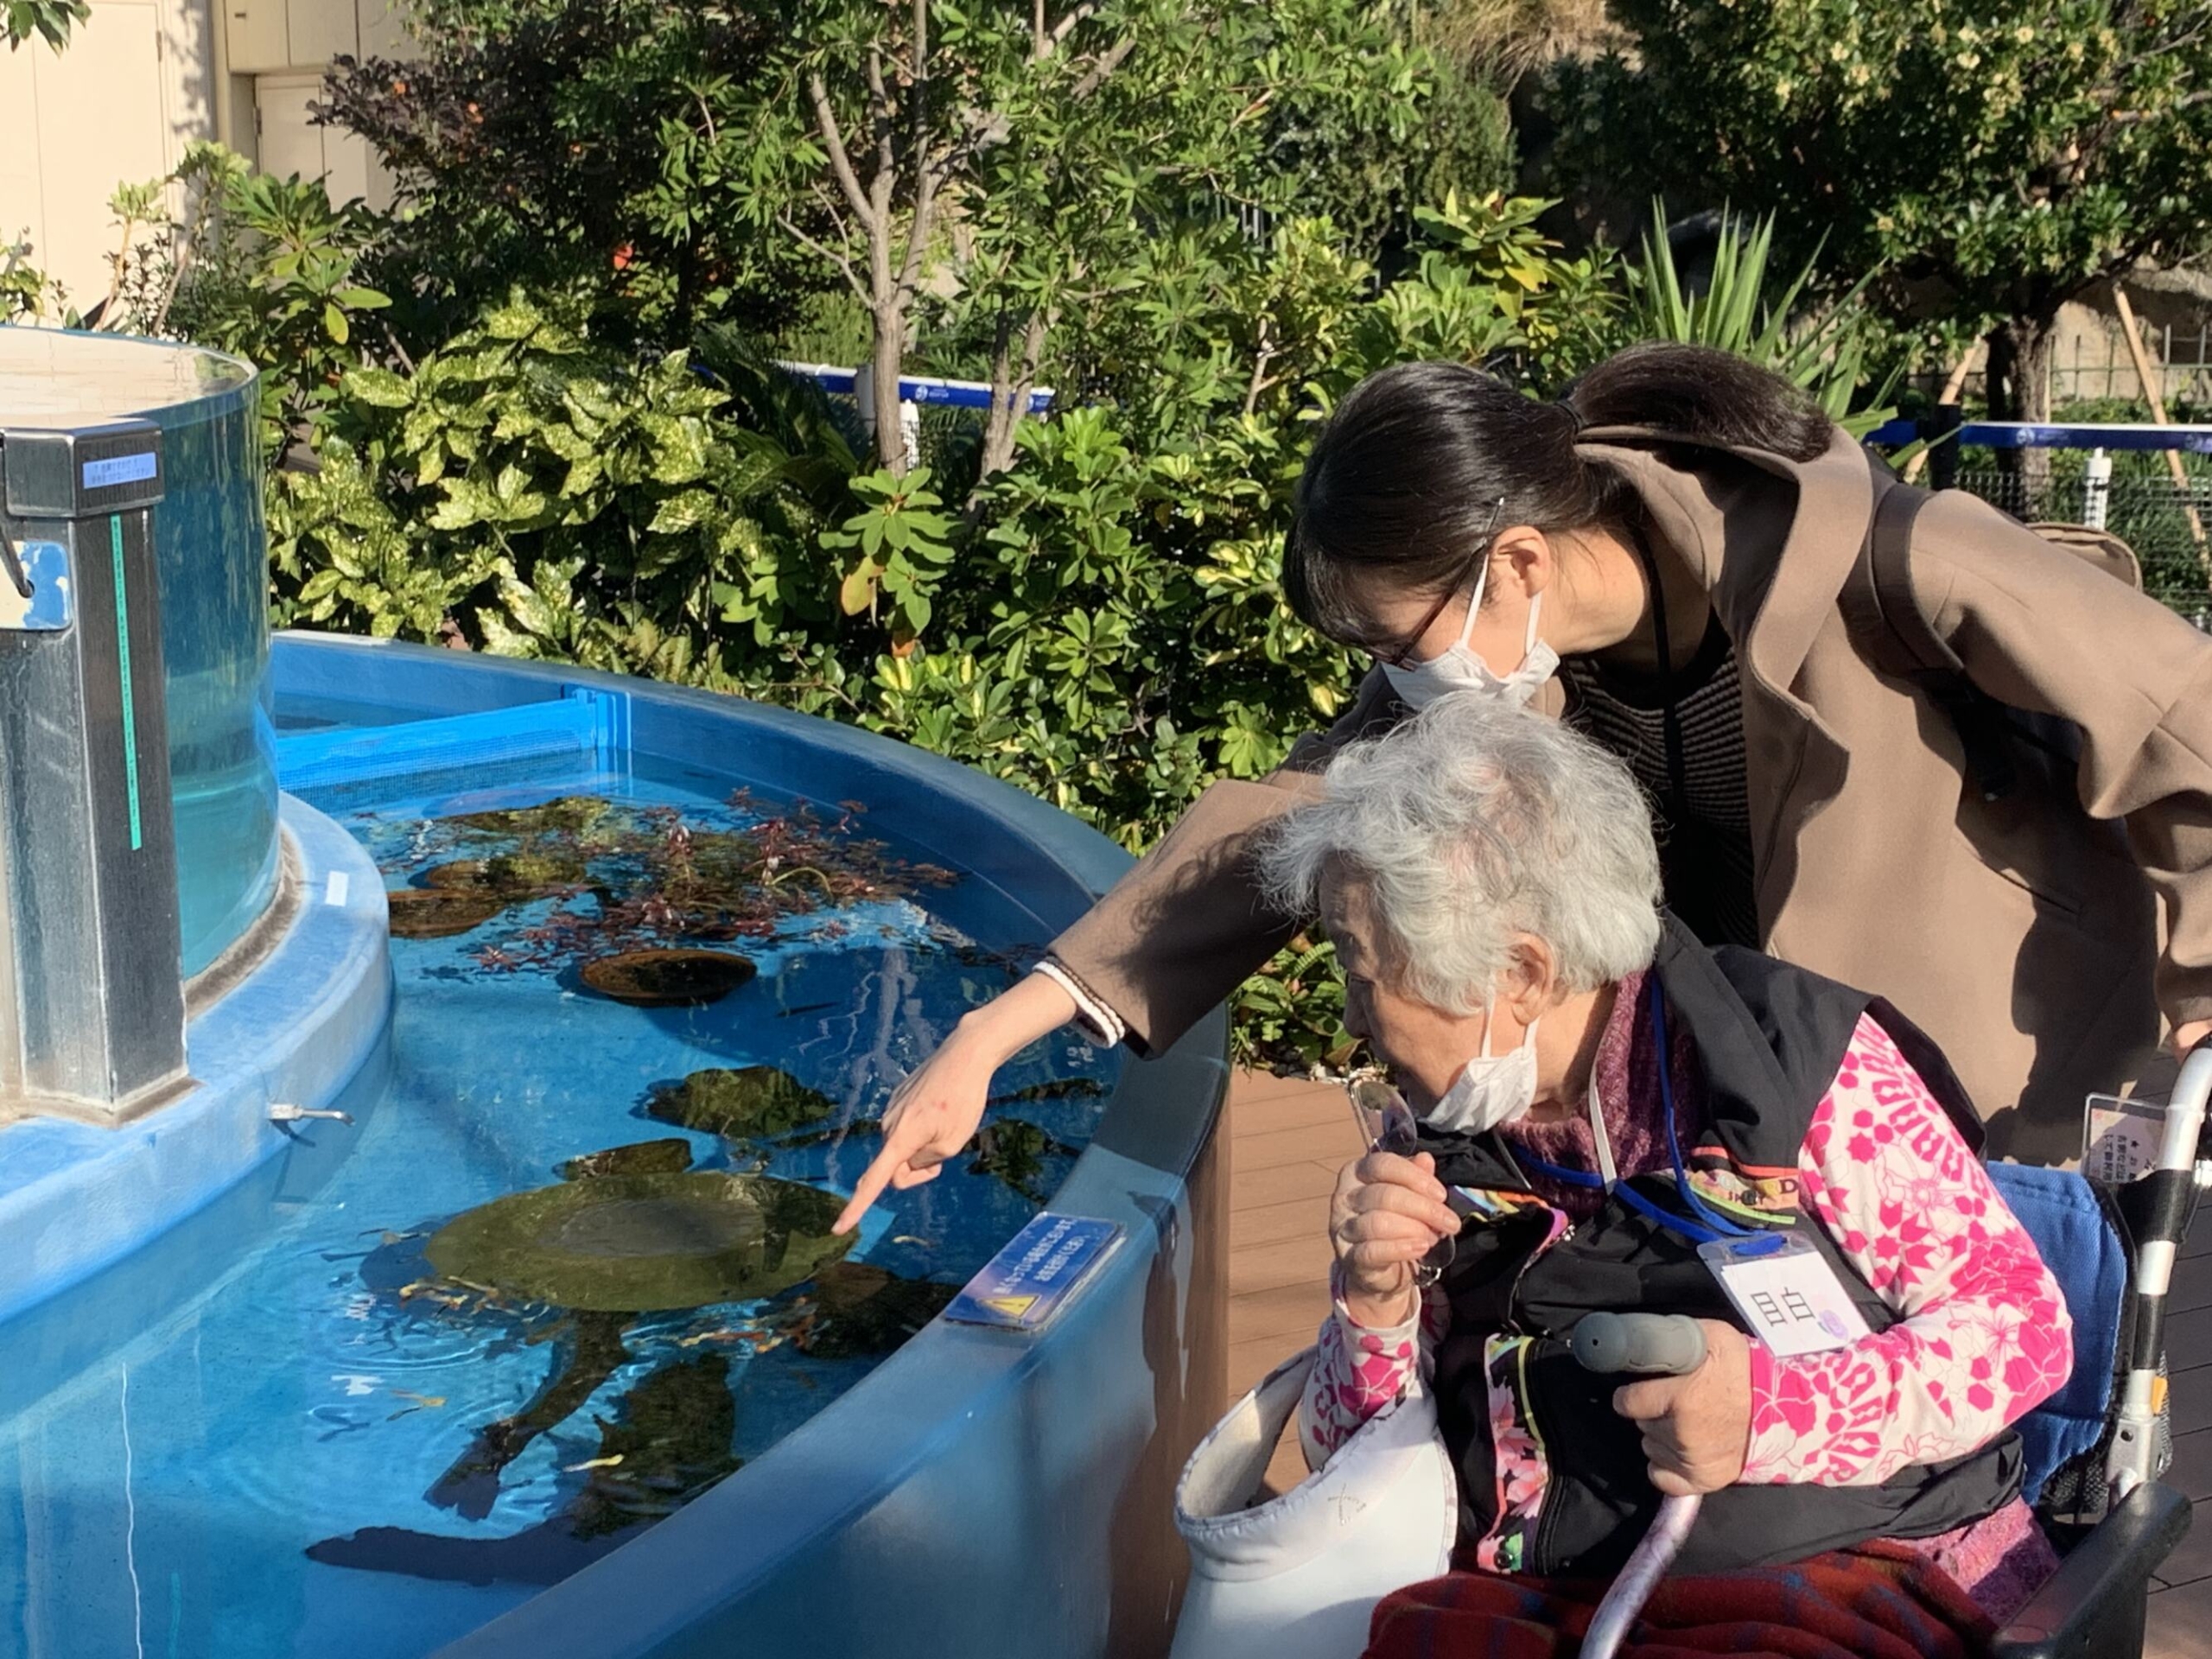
[{"x": 1770, "y": 1038}]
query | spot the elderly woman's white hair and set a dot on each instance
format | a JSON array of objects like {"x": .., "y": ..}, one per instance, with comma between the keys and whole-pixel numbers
[{"x": 1470, "y": 825}]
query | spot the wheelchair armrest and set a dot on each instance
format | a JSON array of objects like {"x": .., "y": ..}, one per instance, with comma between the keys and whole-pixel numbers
[{"x": 2100, "y": 1585}]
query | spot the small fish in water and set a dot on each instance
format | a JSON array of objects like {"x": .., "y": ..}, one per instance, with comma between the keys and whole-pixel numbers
[
  {"x": 423, "y": 1403},
  {"x": 806, "y": 1007},
  {"x": 908, "y": 1238},
  {"x": 614, "y": 1462}
]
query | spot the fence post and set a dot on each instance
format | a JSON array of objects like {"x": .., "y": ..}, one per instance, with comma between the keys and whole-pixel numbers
[
  {"x": 2096, "y": 490},
  {"x": 1943, "y": 452}
]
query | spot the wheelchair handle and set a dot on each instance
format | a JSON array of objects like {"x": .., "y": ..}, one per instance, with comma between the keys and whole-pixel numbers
[{"x": 1643, "y": 1345}]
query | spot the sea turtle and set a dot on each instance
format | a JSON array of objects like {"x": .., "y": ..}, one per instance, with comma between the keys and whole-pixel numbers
[
  {"x": 1014, "y": 1152},
  {"x": 438, "y": 913},
  {"x": 861, "y": 1308},
  {"x": 569, "y": 815},
  {"x": 670, "y": 1441},
  {"x": 662, "y": 979},
  {"x": 748, "y": 1103},
  {"x": 669, "y": 1157},
  {"x": 606, "y": 1249}
]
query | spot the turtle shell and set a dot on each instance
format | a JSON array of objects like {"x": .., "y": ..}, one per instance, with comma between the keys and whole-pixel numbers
[
  {"x": 741, "y": 1104},
  {"x": 642, "y": 1243},
  {"x": 668, "y": 979},
  {"x": 438, "y": 913}
]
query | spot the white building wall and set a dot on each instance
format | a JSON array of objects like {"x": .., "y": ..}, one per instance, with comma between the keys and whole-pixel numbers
[{"x": 140, "y": 80}]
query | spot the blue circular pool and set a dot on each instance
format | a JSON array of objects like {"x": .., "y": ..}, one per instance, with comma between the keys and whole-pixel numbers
[{"x": 359, "y": 1403}]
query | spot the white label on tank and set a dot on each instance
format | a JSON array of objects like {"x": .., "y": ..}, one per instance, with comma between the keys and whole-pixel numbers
[{"x": 334, "y": 891}]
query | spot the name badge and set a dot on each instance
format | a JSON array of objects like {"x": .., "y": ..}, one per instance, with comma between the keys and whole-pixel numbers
[{"x": 1788, "y": 1293}]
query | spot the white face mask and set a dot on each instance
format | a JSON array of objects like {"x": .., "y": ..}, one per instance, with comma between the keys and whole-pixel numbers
[
  {"x": 1490, "y": 1091},
  {"x": 1458, "y": 668}
]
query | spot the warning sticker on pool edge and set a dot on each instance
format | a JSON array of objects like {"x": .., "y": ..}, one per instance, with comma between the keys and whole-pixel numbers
[{"x": 1041, "y": 1267}]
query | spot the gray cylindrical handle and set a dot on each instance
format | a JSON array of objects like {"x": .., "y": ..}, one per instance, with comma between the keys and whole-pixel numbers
[{"x": 1646, "y": 1345}]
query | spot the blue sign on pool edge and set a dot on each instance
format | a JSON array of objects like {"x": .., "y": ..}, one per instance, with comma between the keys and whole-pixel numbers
[{"x": 1041, "y": 1267}]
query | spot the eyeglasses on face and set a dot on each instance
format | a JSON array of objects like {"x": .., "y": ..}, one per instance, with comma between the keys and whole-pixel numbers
[{"x": 1400, "y": 656}]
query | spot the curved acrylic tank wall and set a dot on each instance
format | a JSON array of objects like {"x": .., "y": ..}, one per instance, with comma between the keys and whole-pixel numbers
[{"x": 213, "y": 555}]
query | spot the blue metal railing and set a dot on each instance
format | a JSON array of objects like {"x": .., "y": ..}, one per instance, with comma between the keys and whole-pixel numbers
[
  {"x": 2023, "y": 435},
  {"x": 916, "y": 388}
]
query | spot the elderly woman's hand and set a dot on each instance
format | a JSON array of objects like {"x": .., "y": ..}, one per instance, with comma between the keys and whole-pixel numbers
[
  {"x": 1697, "y": 1429},
  {"x": 1388, "y": 1212}
]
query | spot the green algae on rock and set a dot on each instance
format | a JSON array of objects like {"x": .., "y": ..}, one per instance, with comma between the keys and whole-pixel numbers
[
  {"x": 644, "y": 1244},
  {"x": 747, "y": 1103},
  {"x": 669, "y": 1157},
  {"x": 668, "y": 979}
]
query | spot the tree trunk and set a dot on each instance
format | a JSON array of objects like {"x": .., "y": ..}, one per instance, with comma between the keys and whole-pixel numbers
[
  {"x": 1013, "y": 377},
  {"x": 2021, "y": 350},
  {"x": 889, "y": 358}
]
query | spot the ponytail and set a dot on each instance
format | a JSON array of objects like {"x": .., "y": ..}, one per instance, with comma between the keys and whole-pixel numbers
[
  {"x": 1704, "y": 394},
  {"x": 1406, "y": 480}
]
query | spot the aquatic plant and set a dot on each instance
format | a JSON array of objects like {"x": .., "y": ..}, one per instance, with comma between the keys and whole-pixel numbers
[{"x": 624, "y": 878}]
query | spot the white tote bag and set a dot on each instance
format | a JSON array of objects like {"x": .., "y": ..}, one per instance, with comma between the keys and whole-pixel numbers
[{"x": 1299, "y": 1576}]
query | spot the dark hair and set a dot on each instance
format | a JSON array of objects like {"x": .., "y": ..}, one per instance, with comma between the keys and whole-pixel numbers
[{"x": 1406, "y": 480}]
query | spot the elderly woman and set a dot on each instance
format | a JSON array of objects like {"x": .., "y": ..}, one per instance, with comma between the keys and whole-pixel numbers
[{"x": 1599, "y": 1096}]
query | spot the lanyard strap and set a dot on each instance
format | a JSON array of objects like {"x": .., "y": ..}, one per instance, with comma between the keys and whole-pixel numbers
[
  {"x": 1714, "y": 1226},
  {"x": 1708, "y": 1225}
]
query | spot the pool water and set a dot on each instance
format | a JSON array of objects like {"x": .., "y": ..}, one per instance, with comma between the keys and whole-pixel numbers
[{"x": 291, "y": 1462}]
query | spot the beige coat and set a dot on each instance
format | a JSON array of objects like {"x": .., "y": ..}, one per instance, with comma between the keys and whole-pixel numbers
[{"x": 2024, "y": 935}]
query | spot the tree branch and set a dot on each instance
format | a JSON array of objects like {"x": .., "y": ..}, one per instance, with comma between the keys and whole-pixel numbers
[
  {"x": 1100, "y": 70},
  {"x": 844, "y": 264},
  {"x": 880, "y": 111},
  {"x": 1261, "y": 356},
  {"x": 841, "y": 161},
  {"x": 1046, "y": 45}
]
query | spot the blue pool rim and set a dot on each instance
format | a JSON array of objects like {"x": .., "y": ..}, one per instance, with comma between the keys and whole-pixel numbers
[{"x": 980, "y": 1492}]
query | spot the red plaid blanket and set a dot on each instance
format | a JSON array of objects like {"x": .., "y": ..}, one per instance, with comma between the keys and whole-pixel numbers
[{"x": 1879, "y": 1601}]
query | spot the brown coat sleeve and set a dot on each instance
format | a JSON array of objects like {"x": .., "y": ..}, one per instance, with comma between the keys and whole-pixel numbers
[
  {"x": 1188, "y": 924},
  {"x": 2040, "y": 629}
]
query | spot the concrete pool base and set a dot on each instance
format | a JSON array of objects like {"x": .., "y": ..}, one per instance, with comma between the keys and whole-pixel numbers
[{"x": 76, "y": 1197}]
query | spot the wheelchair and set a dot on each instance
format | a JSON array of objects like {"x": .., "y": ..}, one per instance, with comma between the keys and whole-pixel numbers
[{"x": 2096, "y": 1450}]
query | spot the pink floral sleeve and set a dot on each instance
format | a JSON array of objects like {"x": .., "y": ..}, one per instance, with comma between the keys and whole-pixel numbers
[
  {"x": 1985, "y": 1337},
  {"x": 1358, "y": 1371}
]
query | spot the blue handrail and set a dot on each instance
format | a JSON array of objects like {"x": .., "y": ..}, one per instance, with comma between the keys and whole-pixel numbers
[
  {"x": 2023, "y": 435},
  {"x": 916, "y": 388}
]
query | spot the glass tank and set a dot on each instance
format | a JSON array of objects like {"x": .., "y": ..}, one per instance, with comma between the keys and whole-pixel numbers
[{"x": 213, "y": 555}]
